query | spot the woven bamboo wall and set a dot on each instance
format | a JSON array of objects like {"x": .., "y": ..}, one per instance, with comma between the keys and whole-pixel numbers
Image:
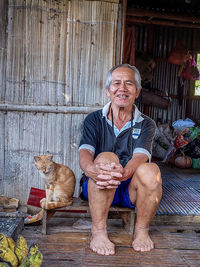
[{"x": 57, "y": 56}]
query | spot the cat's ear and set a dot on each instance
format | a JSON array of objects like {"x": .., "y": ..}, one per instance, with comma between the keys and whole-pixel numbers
[
  {"x": 36, "y": 158},
  {"x": 50, "y": 158}
]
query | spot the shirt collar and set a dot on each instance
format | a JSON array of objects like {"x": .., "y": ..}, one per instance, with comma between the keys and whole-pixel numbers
[{"x": 137, "y": 114}]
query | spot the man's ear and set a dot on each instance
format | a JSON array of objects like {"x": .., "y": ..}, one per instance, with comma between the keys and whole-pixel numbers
[
  {"x": 107, "y": 92},
  {"x": 138, "y": 93}
]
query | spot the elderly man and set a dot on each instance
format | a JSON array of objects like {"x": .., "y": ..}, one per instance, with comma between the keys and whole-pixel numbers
[{"x": 114, "y": 150}]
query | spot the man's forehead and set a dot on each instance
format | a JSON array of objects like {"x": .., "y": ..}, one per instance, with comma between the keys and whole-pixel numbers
[{"x": 123, "y": 71}]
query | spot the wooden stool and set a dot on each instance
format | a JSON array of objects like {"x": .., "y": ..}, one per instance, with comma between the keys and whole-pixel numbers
[{"x": 127, "y": 215}]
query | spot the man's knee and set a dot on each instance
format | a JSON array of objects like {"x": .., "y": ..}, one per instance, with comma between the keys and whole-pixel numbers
[
  {"x": 148, "y": 175},
  {"x": 107, "y": 157}
]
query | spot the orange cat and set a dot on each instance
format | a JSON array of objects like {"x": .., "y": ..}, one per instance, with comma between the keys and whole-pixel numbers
[{"x": 59, "y": 182}]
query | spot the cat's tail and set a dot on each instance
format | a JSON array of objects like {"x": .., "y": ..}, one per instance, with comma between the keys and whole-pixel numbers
[{"x": 53, "y": 205}]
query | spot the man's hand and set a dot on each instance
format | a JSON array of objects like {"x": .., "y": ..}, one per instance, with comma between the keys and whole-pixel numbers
[
  {"x": 109, "y": 175},
  {"x": 106, "y": 173}
]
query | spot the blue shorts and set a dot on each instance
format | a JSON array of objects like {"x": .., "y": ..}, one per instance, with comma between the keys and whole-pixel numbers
[{"x": 121, "y": 197}]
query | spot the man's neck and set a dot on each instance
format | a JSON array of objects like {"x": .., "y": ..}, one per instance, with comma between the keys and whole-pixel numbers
[{"x": 121, "y": 115}]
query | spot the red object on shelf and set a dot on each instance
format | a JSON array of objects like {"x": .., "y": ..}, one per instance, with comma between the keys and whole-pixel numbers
[{"x": 35, "y": 196}]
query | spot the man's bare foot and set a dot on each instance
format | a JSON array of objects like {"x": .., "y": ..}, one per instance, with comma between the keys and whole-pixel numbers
[
  {"x": 101, "y": 244},
  {"x": 142, "y": 241}
]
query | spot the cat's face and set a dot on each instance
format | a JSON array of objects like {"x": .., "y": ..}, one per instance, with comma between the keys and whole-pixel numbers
[{"x": 44, "y": 163}]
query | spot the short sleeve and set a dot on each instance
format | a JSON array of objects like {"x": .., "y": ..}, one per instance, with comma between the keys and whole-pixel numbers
[
  {"x": 144, "y": 142},
  {"x": 89, "y": 137}
]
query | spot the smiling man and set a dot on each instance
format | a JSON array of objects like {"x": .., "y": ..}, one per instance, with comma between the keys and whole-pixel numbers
[{"x": 115, "y": 154}]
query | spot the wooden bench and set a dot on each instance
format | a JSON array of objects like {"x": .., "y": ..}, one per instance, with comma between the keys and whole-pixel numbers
[{"x": 127, "y": 215}]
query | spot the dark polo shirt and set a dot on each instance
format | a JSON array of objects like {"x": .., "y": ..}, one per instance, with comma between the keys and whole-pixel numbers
[{"x": 98, "y": 135}]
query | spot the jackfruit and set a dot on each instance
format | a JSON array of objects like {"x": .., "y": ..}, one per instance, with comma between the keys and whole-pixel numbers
[
  {"x": 21, "y": 249},
  {"x": 8, "y": 255},
  {"x": 11, "y": 243}
]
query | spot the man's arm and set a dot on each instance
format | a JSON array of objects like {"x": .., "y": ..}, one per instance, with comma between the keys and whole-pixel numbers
[
  {"x": 143, "y": 148},
  {"x": 133, "y": 163},
  {"x": 86, "y": 162}
]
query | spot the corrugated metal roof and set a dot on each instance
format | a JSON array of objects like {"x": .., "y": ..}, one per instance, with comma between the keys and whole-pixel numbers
[{"x": 180, "y": 196}]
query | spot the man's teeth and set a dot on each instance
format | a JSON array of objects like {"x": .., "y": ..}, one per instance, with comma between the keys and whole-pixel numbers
[{"x": 122, "y": 96}]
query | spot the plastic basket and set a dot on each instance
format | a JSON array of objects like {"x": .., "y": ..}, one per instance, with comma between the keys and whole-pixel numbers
[{"x": 196, "y": 163}]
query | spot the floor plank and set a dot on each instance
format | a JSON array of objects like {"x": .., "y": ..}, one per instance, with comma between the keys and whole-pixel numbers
[{"x": 72, "y": 249}]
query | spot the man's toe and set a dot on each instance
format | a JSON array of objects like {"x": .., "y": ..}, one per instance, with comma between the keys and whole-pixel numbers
[
  {"x": 136, "y": 246},
  {"x": 111, "y": 251},
  {"x": 101, "y": 251}
]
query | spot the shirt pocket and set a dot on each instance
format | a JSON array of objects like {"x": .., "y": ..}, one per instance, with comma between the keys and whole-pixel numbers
[{"x": 136, "y": 133}]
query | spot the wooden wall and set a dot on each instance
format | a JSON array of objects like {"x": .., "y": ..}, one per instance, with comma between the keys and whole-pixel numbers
[{"x": 54, "y": 59}]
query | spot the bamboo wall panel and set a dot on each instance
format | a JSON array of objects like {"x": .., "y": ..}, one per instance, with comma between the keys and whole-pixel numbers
[
  {"x": 27, "y": 135},
  {"x": 2, "y": 145},
  {"x": 58, "y": 53}
]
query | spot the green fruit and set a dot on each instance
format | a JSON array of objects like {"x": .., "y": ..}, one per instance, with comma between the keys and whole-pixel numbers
[
  {"x": 3, "y": 240},
  {"x": 21, "y": 249},
  {"x": 33, "y": 249},
  {"x": 34, "y": 260},
  {"x": 11, "y": 243},
  {"x": 5, "y": 264},
  {"x": 8, "y": 255}
]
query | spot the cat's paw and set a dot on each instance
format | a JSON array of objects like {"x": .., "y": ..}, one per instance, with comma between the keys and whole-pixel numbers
[{"x": 43, "y": 203}]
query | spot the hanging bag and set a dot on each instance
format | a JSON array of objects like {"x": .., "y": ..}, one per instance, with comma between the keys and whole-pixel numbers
[{"x": 179, "y": 54}]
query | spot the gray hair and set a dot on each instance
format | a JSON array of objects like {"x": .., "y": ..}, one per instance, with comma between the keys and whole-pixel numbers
[{"x": 133, "y": 68}]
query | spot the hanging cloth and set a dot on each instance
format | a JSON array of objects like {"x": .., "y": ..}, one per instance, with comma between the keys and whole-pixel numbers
[{"x": 129, "y": 49}]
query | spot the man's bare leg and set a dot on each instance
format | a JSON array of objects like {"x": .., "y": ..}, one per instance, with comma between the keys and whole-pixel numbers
[
  {"x": 146, "y": 189},
  {"x": 100, "y": 201}
]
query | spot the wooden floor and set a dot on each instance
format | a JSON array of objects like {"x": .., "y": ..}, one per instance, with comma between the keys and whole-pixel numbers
[{"x": 176, "y": 239}]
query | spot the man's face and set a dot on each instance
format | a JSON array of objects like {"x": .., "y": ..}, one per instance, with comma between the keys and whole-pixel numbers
[{"x": 123, "y": 90}]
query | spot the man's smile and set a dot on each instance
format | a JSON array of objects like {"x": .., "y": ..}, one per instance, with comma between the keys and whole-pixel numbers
[{"x": 122, "y": 96}]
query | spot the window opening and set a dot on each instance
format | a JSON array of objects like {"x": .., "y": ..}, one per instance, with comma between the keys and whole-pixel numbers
[{"x": 197, "y": 82}]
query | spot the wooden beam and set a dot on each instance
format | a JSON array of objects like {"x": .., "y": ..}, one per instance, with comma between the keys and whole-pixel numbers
[
  {"x": 111, "y": 1},
  {"x": 124, "y": 6},
  {"x": 131, "y": 19},
  {"x": 49, "y": 109},
  {"x": 150, "y": 38},
  {"x": 139, "y": 12}
]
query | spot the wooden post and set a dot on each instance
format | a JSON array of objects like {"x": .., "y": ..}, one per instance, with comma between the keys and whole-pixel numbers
[
  {"x": 128, "y": 218},
  {"x": 44, "y": 223},
  {"x": 150, "y": 49},
  {"x": 192, "y": 83}
]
